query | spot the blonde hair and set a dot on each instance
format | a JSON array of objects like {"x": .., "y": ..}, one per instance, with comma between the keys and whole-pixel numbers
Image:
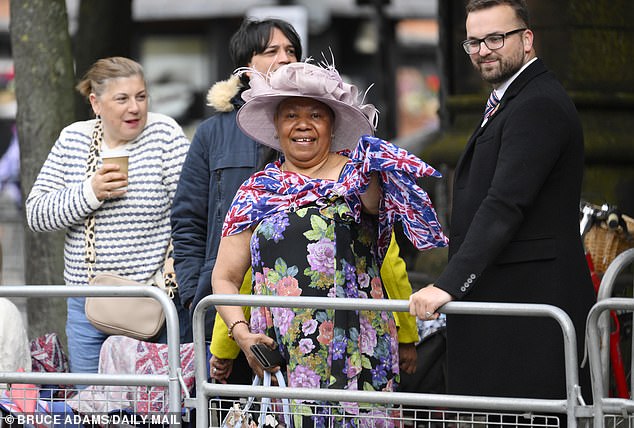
[{"x": 105, "y": 69}]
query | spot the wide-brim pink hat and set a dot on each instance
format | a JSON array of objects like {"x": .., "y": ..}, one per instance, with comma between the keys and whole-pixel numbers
[{"x": 302, "y": 79}]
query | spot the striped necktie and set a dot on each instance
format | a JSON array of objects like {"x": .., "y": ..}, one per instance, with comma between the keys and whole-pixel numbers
[{"x": 492, "y": 103}]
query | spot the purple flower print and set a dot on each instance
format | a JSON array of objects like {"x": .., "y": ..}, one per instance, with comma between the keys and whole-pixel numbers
[
  {"x": 379, "y": 375},
  {"x": 303, "y": 377},
  {"x": 321, "y": 256},
  {"x": 282, "y": 319},
  {"x": 349, "y": 272},
  {"x": 351, "y": 407},
  {"x": 351, "y": 370},
  {"x": 258, "y": 320},
  {"x": 255, "y": 252},
  {"x": 309, "y": 327},
  {"x": 278, "y": 225},
  {"x": 339, "y": 348},
  {"x": 394, "y": 353},
  {"x": 364, "y": 280},
  {"x": 352, "y": 290},
  {"x": 318, "y": 421},
  {"x": 367, "y": 338},
  {"x": 378, "y": 419},
  {"x": 306, "y": 346}
]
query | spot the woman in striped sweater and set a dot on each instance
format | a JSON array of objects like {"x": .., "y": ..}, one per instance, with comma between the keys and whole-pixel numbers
[{"x": 131, "y": 211}]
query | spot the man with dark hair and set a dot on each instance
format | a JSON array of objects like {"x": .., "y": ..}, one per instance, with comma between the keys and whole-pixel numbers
[
  {"x": 514, "y": 233},
  {"x": 220, "y": 158}
]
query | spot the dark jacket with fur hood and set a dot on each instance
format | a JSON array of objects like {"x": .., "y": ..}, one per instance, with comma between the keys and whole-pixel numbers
[{"x": 220, "y": 159}]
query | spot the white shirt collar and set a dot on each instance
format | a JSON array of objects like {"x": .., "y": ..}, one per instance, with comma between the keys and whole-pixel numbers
[{"x": 500, "y": 90}]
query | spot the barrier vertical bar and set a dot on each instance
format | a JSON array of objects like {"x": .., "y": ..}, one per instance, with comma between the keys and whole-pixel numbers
[
  {"x": 171, "y": 317},
  {"x": 200, "y": 366}
]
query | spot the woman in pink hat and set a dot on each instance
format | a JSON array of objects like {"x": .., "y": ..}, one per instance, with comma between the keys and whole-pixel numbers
[{"x": 317, "y": 222}]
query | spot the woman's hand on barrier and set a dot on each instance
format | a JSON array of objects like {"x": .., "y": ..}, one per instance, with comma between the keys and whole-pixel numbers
[
  {"x": 245, "y": 340},
  {"x": 220, "y": 368}
]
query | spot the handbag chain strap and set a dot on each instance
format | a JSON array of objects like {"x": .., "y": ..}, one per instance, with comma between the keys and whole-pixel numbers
[{"x": 168, "y": 282}]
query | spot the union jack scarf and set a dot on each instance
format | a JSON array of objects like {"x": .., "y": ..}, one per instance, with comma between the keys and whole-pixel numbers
[{"x": 272, "y": 190}]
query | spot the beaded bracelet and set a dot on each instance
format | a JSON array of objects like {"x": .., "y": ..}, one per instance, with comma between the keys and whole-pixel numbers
[{"x": 235, "y": 323}]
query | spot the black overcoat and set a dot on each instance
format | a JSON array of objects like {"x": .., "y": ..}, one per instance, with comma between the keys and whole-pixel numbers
[{"x": 514, "y": 237}]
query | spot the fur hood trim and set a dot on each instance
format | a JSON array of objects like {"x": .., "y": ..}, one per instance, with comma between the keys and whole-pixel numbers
[{"x": 221, "y": 94}]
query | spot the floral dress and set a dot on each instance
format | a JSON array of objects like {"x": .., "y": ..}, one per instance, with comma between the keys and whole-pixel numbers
[
  {"x": 319, "y": 251},
  {"x": 311, "y": 238}
]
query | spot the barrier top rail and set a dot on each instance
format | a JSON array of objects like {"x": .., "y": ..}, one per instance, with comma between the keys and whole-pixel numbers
[
  {"x": 205, "y": 389},
  {"x": 171, "y": 380}
]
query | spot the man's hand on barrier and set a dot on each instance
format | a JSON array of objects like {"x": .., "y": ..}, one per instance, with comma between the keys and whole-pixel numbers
[{"x": 426, "y": 301}]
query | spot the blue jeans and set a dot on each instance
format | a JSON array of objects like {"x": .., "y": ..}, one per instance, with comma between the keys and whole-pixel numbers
[{"x": 84, "y": 340}]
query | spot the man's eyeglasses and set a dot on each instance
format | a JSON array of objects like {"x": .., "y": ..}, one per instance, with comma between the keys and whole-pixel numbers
[{"x": 493, "y": 42}]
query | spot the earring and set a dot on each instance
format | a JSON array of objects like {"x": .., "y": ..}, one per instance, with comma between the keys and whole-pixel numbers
[{"x": 98, "y": 116}]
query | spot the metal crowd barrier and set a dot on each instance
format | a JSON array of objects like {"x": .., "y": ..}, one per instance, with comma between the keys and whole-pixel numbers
[
  {"x": 172, "y": 380},
  {"x": 620, "y": 410},
  {"x": 572, "y": 406},
  {"x": 606, "y": 289}
]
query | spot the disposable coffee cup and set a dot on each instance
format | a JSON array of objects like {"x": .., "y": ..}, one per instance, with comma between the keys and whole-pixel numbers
[{"x": 119, "y": 157}]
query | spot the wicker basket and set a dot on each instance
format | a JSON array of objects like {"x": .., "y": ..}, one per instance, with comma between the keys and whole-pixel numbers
[{"x": 605, "y": 244}]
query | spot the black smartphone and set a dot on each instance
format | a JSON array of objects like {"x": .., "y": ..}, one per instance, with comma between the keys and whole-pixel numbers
[{"x": 266, "y": 356}]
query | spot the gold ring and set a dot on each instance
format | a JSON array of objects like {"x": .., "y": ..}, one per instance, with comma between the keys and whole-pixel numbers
[{"x": 428, "y": 314}]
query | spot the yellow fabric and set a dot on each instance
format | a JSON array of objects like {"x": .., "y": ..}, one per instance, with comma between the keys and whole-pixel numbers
[
  {"x": 222, "y": 346},
  {"x": 397, "y": 286}
]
